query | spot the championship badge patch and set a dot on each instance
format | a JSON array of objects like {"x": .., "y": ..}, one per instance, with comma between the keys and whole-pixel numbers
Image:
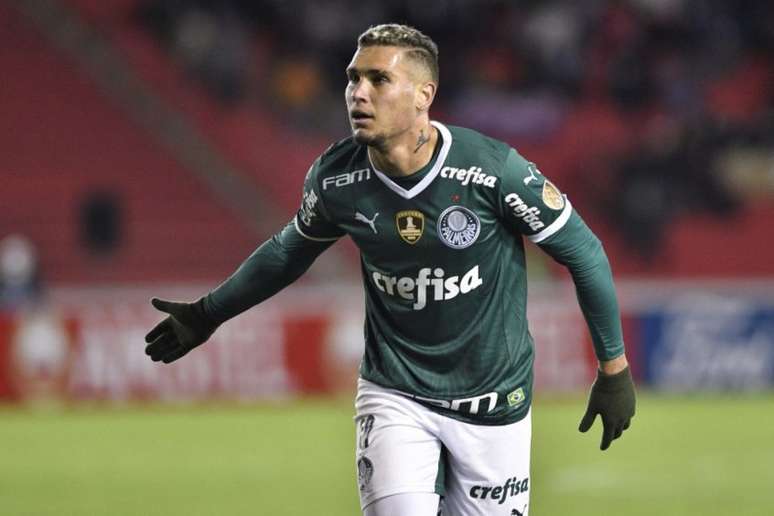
[
  {"x": 458, "y": 227},
  {"x": 552, "y": 197},
  {"x": 410, "y": 224}
]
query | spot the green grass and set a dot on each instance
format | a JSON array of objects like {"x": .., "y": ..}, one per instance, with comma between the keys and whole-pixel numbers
[{"x": 682, "y": 456}]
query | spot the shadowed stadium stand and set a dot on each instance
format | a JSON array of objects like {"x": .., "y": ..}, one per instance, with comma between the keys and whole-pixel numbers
[
  {"x": 273, "y": 154},
  {"x": 169, "y": 226}
]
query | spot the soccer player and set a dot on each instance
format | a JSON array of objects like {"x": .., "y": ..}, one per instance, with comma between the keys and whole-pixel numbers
[{"x": 438, "y": 213}]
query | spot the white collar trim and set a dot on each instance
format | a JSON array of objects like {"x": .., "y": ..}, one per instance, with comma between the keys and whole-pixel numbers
[{"x": 425, "y": 182}]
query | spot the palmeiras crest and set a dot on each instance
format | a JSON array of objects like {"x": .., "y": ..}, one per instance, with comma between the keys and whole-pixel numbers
[{"x": 458, "y": 227}]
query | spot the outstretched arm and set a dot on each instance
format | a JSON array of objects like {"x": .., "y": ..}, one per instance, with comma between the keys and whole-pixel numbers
[
  {"x": 273, "y": 266},
  {"x": 277, "y": 263}
]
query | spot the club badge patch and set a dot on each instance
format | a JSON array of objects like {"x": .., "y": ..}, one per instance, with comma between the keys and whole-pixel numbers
[
  {"x": 552, "y": 197},
  {"x": 410, "y": 224},
  {"x": 458, "y": 227},
  {"x": 365, "y": 470}
]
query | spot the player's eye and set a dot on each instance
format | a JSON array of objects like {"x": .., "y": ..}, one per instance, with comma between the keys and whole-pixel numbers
[{"x": 380, "y": 79}]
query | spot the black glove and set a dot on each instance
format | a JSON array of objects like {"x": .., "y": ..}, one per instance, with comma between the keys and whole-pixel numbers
[
  {"x": 612, "y": 397},
  {"x": 186, "y": 327}
]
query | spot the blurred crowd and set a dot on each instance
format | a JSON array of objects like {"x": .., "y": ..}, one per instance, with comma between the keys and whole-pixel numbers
[
  {"x": 20, "y": 282},
  {"x": 689, "y": 81}
]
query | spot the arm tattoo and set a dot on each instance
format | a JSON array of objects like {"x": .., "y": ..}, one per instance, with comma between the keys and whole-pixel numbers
[{"x": 421, "y": 140}]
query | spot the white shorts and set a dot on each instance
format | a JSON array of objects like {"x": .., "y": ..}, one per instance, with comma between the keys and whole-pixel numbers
[{"x": 404, "y": 447}]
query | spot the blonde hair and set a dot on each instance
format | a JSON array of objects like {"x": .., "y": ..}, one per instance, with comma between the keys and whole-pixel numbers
[{"x": 420, "y": 47}]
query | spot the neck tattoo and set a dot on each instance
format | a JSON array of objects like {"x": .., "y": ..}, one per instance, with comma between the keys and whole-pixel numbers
[{"x": 421, "y": 140}]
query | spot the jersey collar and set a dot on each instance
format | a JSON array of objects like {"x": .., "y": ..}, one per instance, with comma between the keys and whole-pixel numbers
[{"x": 425, "y": 182}]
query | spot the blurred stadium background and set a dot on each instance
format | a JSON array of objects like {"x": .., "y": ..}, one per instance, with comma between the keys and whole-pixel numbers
[{"x": 147, "y": 146}]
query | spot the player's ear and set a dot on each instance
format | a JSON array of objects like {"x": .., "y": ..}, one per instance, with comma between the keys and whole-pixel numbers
[{"x": 425, "y": 93}]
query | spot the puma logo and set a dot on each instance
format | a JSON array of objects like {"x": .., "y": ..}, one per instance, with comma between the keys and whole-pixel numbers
[
  {"x": 362, "y": 218},
  {"x": 516, "y": 512},
  {"x": 531, "y": 168}
]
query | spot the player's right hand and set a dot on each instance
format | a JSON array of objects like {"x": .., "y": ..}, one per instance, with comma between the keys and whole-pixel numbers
[{"x": 185, "y": 328}]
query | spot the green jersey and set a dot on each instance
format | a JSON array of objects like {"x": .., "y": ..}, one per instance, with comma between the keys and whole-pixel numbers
[{"x": 443, "y": 268}]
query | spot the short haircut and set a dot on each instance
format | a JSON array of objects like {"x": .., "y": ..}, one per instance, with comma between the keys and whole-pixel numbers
[{"x": 420, "y": 47}]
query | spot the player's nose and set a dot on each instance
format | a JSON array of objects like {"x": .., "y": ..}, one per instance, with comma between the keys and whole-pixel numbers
[{"x": 358, "y": 93}]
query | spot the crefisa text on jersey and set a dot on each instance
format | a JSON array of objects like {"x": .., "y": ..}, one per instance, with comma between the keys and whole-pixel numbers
[
  {"x": 443, "y": 288},
  {"x": 471, "y": 175},
  {"x": 347, "y": 178},
  {"x": 528, "y": 214},
  {"x": 512, "y": 487}
]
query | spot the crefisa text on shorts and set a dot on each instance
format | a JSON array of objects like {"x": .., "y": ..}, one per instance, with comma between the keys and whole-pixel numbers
[{"x": 512, "y": 487}]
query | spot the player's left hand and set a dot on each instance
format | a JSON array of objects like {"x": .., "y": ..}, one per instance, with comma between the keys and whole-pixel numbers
[{"x": 612, "y": 397}]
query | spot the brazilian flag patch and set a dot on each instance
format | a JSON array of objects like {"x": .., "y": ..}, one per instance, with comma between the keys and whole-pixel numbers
[{"x": 516, "y": 397}]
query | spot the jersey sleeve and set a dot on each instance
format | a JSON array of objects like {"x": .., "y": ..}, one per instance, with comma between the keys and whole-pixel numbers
[
  {"x": 529, "y": 202},
  {"x": 536, "y": 207},
  {"x": 577, "y": 248},
  {"x": 312, "y": 220},
  {"x": 277, "y": 263}
]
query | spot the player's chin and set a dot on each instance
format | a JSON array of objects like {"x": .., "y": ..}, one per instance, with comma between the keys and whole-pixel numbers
[{"x": 364, "y": 137}]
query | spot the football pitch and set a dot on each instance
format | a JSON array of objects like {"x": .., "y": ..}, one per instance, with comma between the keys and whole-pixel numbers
[{"x": 683, "y": 456}]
